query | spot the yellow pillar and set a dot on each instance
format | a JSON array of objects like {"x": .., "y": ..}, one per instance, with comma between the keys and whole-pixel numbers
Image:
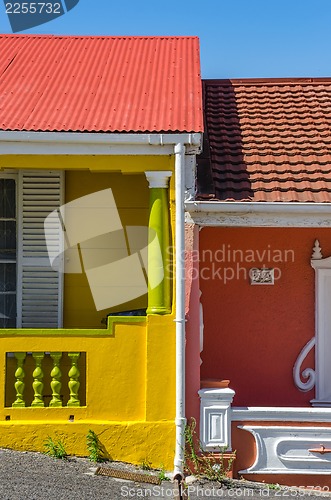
[{"x": 159, "y": 292}]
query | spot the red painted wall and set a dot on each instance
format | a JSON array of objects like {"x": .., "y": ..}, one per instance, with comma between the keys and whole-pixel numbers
[
  {"x": 192, "y": 311},
  {"x": 254, "y": 333}
]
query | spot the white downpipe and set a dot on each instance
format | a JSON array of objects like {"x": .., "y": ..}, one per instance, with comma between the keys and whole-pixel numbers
[{"x": 180, "y": 309}]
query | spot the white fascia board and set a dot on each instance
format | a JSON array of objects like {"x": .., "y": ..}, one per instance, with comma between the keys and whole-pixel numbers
[
  {"x": 12, "y": 142},
  {"x": 258, "y": 214},
  {"x": 269, "y": 414},
  {"x": 52, "y": 148}
]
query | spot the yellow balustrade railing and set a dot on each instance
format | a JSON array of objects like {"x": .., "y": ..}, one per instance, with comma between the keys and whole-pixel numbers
[
  {"x": 42, "y": 371},
  {"x": 82, "y": 373}
]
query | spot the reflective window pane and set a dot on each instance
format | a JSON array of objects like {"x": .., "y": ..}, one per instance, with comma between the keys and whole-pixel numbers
[
  {"x": 7, "y": 310},
  {"x": 7, "y": 278},
  {"x": 7, "y": 199},
  {"x": 7, "y": 252},
  {"x": 8, "y": 235}
]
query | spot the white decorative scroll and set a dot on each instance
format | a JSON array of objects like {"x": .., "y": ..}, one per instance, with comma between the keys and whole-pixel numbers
[
  {"x": 308, "y": 373},
  {"x": 317, "y": 251}
]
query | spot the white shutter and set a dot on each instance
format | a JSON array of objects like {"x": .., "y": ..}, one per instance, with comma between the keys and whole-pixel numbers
[{"x": 39, "y": 303}]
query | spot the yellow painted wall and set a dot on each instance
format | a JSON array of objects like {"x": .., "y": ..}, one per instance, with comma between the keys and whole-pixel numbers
[
  {"x": 133, "y": 442},
  {"x": 130, "y": 369},
  {"x": 132, "y": 200},
  {"x": 130, "y": 381},
  {"x": 114, "y": 384},
  {"x": 100, "y": 163},
  {"x": 85, "y": 175}
]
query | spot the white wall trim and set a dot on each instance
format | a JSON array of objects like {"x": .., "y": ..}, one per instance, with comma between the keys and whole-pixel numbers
[
  {"x": 269, "y": 214},
  {"x": 290, "y": 450},
  {"x": 76, "y": 143},
  {"x": 322, "y": 326},
  {"x": 50, "y": 148},
  {"x": 268, "y": 414},
  {"x": 190, "y": 176},
  {"x": 158, "y": 178}
]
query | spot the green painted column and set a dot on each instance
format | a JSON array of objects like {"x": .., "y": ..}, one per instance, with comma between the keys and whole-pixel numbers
[
  {"x": 74, "y": 383},
  {"x": 38, "y": 384},
  {"x": 19, "y": 376},
  {"x": 56, "y": 380},
  {"x": 159, "y": 275}
]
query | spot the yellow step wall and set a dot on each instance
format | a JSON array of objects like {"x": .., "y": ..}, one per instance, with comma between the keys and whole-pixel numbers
[
  {"x": 130, "y": 388},
  {"x": 130, "y": 368}
]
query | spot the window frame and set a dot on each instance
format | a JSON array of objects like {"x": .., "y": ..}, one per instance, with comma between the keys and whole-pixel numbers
[
  {"x": 22, "y": 262},
  {"x": 14, "y": 176}
]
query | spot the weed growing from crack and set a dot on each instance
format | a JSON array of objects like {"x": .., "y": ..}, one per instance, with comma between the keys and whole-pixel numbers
[
  {"x": 94, "y": 447},
  {"x": 203, "y": 463},
  {"x": 55, "y": 449},
  {"x": 146, "y": 464},
  {"x": 162, "y": 474}
]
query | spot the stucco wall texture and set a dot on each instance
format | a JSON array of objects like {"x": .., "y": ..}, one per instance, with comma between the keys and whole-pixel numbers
[
  {"x": 130, "y": 367},
  {"x": 253, "y": 334}
]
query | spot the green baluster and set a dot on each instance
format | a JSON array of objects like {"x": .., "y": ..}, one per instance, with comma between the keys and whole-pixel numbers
[
  {"x": 19, "y": 384},
  {"x": 56, "y": 380},
  {"x": 74, "y": 383},
  {"x": 38, "y": 376}
]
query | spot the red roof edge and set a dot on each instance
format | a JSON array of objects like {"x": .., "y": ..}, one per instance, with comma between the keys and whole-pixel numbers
[{"x": 266, "y": 81}]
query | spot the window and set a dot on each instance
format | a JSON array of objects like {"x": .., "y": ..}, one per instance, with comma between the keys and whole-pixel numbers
[
  {"x": 8, "y": 257},
  {"x": 30, "y": 289}
]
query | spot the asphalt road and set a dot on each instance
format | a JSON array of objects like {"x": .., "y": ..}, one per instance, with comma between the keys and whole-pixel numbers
[{"x": 34, "y": 476}]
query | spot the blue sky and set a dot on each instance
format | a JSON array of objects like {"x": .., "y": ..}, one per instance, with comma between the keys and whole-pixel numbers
[{"x": 238, "y": 38}]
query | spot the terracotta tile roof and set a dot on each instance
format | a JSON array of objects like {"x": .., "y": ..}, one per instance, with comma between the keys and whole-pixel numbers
[
  {"x": 266, "y": 140},
  {"x": 100, "y": 84}
]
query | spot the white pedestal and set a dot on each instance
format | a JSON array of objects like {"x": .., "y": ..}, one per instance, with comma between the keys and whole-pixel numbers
[{"x": 215, "y": 419}]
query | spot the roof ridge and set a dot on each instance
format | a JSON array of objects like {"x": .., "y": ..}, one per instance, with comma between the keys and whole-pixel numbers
[
  {"x": 265, "y": 81},
  {"x": 109, "y": 37}
]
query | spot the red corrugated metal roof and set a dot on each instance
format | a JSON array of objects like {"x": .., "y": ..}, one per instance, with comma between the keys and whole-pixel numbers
[
  {"x": 267, "y": 140},
  {"x": 100, "y": 84}
]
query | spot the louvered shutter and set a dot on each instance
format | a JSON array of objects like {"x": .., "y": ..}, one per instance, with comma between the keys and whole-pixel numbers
[{"x": 40, "y": 286}]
